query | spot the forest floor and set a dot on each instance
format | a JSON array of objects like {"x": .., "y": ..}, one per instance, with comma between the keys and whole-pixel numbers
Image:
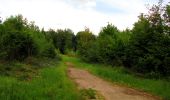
[{"x": 107, "y": 90}]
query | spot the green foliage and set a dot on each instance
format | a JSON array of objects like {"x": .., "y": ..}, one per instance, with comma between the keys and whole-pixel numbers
[
  {"x": 20, "y": 39},
  {"x": 50, "y": 83},
  {"x": 62, "y": 39},
  {"x": 85, "y": 41},
  {"x": 108, "y": 42},
  {"x": 15, "y": 42},
  {"x": 92, "y": 54},
  {"x": 0, "y": 20},
  {"x": 166, "y": 19},
  {"x": 109, "y": 30},
  {"x": 15, "y": 23},
  {"x": 120, "y": 75},
  {"x": 17, "y": 46},
  {"x": 49, "y": 52},
  {"x": 150, "y": 44},
  {"x": 44, "y": 46},
  {"x": 107, "y": 48},
  {"x": 88, "y": 93},
  {"x": 145, "y": 49},
  {"x": 27, "y": 69}
]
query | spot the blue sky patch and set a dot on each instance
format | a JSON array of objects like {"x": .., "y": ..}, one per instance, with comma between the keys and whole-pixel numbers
[{"x": 107, "y": 8}]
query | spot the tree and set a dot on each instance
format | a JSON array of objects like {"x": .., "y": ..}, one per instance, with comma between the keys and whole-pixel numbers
[
  {"x": 110, "y": 45},
  {"x": 20, "y": 39},
  {"x": 84, "y": 41},
  {"x": 64, "y": 40},
  {"x": 166, "y": 18},
  {"x": 149, "y": 47},
  {"x": 44, "y": 46},
  {"x": 0, "y": 20},
  {"x": 15, "y": 43},
  {"x": 107, "y": 48}
]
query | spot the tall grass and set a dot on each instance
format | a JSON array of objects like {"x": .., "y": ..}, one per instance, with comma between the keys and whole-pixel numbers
[
  {"x": 118, "y": 75},
  {"x": 52, "y": 83}
]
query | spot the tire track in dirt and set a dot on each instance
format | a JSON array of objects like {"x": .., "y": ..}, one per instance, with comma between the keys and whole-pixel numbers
[{"x": 108, "y": 90}]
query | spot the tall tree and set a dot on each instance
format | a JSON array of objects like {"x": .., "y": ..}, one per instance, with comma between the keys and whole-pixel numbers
[
  {"x": 84, "y": 40},
  {"x": 150, "y": 43}
]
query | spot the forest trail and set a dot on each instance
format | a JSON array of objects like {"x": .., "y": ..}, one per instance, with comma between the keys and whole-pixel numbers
[{"x": 108, "y": 90}]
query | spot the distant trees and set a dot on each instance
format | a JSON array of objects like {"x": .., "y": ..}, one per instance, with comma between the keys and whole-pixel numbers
[
  {"x": 64, "y": 40},
  {"x": 107, "y": 48}
]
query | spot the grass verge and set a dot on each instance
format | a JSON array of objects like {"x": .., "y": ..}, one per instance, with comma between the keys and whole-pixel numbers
[
  {"x": 120, "y": 76},
  {"x": 51, "y": 83}
]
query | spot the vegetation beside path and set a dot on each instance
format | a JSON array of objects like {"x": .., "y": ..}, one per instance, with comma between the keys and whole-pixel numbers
[
  {"x": 50, "y": 83},
  {"x": 120, "y": 76}
]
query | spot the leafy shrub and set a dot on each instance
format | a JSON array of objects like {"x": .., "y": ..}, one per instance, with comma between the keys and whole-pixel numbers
[
  {"x": 17, "y": 45},
  {"x": 20, "y": 39},
  {"x": 49, "y": 52}
]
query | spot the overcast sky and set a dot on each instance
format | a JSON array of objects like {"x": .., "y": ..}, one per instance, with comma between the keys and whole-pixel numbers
[{"x": 76, "y": 14}]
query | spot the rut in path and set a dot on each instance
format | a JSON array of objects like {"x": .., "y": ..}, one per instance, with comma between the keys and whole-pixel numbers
[{"x": 108, "y": 90}]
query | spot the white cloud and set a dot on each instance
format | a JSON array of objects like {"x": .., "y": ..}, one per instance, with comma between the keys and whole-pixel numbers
[{"x": 74, "y": 14}]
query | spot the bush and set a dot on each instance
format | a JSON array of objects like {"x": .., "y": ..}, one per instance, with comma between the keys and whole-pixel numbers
[
  {"x": 49, "y": 52},
  {"x": 17, "y": 45},
  {"x": 148, "y": 50},
  {"x": 20, "y": 39},
  {"x": 85, "y": 40}
]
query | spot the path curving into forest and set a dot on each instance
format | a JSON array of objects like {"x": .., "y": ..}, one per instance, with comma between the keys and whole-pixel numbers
[{"x": 108, "y": 90}]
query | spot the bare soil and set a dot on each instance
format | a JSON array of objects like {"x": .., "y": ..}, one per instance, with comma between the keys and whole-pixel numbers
[{"x": 108, "y": 90}]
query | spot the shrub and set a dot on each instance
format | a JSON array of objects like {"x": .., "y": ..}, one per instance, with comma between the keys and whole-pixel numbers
[{"x": 17, "y": 45}]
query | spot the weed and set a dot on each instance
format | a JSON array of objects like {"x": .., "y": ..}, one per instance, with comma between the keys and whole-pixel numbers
[{"x": 88, "y": 93}]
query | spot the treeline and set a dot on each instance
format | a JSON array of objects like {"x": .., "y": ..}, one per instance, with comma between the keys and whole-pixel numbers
[
  {"x": 63, "y": 40},
  {"x": 145, "y": 49},
  {"x": 20, "y": 39}
]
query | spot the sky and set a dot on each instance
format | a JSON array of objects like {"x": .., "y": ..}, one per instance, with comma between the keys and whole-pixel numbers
[{"x": 77, "y": 14}]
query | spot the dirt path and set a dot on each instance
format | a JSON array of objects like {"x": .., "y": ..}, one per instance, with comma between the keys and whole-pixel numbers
[{"x": 108, "y": 90}]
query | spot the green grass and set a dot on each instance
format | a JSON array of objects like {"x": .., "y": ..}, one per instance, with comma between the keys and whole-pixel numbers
[
  {"x": 49, "y": 80},
  {"x": 118, "y": 75},
  {"x": 51, "y": 83},
  {"x": 88, "y": 93},
  {"x": 27, "y": 69}
]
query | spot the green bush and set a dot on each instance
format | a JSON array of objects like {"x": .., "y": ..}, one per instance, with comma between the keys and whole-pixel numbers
[
  {"x": 17, "y": 45},
  {"x": 148, "y": 50},
  {"x": 85, "y": 41},
  {"x": 49, "y": 52},
  {"x": 20, "y": 39}
]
